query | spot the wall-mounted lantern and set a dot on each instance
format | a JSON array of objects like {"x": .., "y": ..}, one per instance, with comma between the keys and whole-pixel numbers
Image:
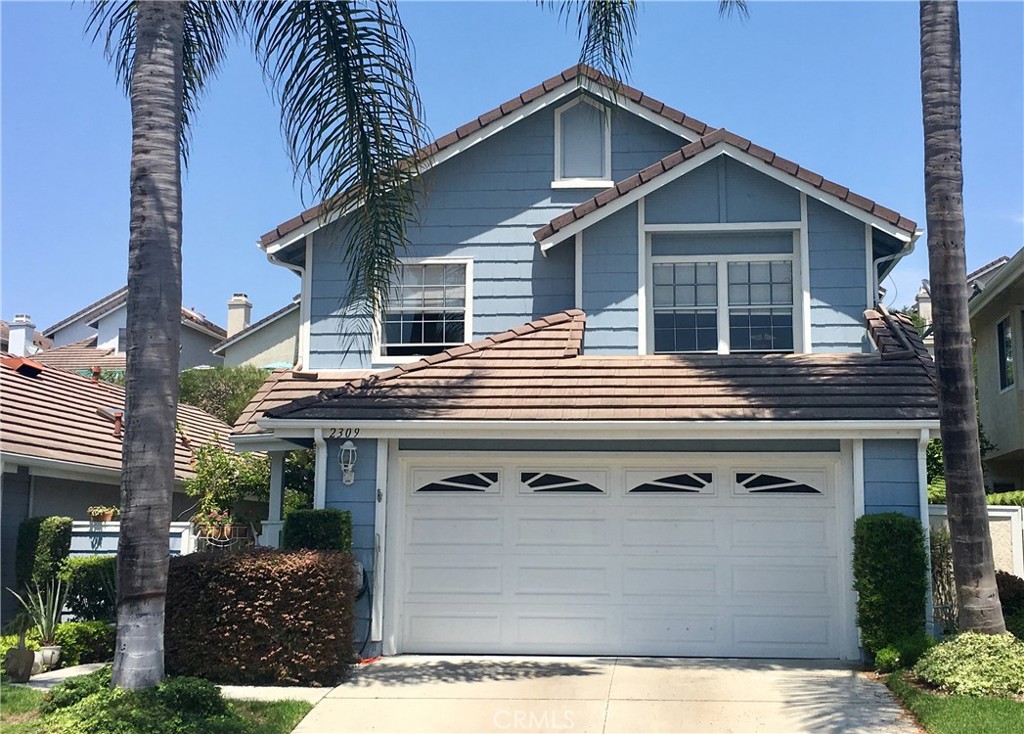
[{"x": 347, "y": 456}]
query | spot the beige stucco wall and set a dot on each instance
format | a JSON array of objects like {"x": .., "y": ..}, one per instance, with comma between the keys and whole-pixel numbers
[
  {"x": 276, "y": 342},
  {"x": 1006, "y": 533},
  {"x": 1002, "y": 411}
]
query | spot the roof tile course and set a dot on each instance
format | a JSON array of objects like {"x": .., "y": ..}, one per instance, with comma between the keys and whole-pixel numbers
[
  {"x": 538, "y": 373},
  {"x": 56, "y": 415},
  {"x": 81, "y": 355}
]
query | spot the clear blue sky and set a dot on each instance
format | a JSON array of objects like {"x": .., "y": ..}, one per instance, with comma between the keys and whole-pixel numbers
[{"x": 833, "y": 86}]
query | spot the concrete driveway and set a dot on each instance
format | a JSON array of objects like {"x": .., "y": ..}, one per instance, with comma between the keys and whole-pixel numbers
[{"x": 568, "y": 695}]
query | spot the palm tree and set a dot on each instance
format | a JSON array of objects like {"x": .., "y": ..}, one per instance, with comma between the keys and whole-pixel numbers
[
  {"x": 973, "y": 566},
  {"x": 351, "y": 118}
]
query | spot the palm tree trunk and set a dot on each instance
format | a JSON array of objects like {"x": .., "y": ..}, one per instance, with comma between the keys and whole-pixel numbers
[
  {"x": 154, "y": 326},
  {"x": 943, "y": 177}
]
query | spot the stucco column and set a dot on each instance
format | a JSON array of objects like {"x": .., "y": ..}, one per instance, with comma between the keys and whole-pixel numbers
[{"x": 276, "y": 510}]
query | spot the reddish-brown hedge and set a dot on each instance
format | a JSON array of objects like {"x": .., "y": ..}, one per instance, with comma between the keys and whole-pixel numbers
[{"x": 259, "y": 617}]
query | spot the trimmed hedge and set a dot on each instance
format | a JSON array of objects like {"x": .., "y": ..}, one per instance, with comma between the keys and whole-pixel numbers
[
  {"x": 85, "y": 642},
  {"x": 92, "y": 587},
  {"x": 890, "y": 575},
  {"x": 261, "y": 616},
  {"x": 318, "y": 530},
  {"x": 1011, "y": 592},
  {"x": 43, "y": 545}
]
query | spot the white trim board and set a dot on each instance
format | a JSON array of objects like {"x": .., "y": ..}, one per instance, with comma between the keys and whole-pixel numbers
[{"x": 497, "y": 126}]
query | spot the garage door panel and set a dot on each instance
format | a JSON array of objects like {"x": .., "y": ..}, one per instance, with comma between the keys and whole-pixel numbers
[
  {"x": 717, "y": 571},
  {"x": 453, "y": 530}
]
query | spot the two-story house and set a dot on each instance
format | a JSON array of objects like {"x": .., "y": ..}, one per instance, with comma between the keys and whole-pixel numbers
[
  {"x": 997, "y": 324},
  {"x": 628, "y": 396},
  {"x": 95, "y": 337}
]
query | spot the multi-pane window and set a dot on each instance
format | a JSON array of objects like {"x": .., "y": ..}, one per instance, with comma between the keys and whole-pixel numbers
[
  {"x": 761, "y": 306},
  {"x": 1004, "y": 337},
  {"x": 731, "y": 303},
  {"x": 686, "y": 307},
  {"x": 426, "y": 311}
]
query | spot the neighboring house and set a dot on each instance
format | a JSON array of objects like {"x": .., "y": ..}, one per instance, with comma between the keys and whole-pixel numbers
[
  {"x": 997, "y": 323},
  {"x": 25, "y": 337},
  {"x": 95, "y": 336},
  {"x": 60, "y": 447},
  {"x": 632, "y": 418},
  {"x": 271, "y": 342},
  {"x": 976, "y": 282}
]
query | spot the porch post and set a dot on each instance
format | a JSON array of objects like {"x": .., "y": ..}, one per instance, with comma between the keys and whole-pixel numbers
[{"x": 276, "y": 510}]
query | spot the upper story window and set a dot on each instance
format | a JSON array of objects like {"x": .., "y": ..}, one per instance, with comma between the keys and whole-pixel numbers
[
  {"x": 583, "y": 144},
  {"x": 122, "y": 340},
  {"x": 723, "y": 304},
  {"x": 1004, "y": 339},
  {"x": 428, "y": 309}
]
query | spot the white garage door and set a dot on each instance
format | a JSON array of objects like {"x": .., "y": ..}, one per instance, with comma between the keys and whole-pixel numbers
[{"x": 685, "y": 557}]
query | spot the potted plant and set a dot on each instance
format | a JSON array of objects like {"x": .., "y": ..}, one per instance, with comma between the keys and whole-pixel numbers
[
  {"x": 44, "y": 607},
  {"x": 214, "y": 523},
  {"x": 102, "y": 513}
]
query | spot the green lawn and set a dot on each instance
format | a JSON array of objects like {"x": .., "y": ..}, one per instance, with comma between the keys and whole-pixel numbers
[
  {"x": 941, "y": 714},
  {"x": 19, "y": 713}
]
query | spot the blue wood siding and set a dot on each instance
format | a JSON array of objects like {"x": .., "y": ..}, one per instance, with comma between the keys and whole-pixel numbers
[
  {"x": 721, "y": 243},
  {"x": 485, "y": 204},
  {"x": 610, "y": 268},
  {"x": 890, "y": 477},
  {"x": 359, "y": 498},
  {"x": 723, "y": 190},
  {"x": 838, "y": 279}
]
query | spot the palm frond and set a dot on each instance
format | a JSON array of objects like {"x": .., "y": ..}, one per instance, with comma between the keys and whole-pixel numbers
[
  {"x": 607, "y": 29},
  {"x": 351, "y": 119},
  {"x": 726, "y": 8},
  {"x": 209, "y": 27}
]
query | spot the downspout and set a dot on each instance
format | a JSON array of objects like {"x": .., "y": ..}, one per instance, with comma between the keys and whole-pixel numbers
[
  {"x": 320, "y": 470},
  {"x": 894, "y": 258},
  {"x": 303, "y": 306},
  {"x": 922, "y": 483}
]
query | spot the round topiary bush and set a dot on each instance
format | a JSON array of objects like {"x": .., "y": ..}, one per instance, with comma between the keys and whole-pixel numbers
[{"x": 975, "y": 664}]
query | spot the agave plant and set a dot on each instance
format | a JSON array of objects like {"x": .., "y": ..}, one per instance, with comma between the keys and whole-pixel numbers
[{"x": 44, "y": 607}]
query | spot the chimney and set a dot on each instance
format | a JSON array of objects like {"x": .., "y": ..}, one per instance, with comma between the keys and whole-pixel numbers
[
  {"x": 239, "y": 313},
  {"x": 22, "y": 332},
  {"x": 924, "y": 304}
]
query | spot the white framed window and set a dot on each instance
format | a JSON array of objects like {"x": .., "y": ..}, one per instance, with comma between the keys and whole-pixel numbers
[
  {"x": 724, "y": 304},
  {"x": 583, "y": 145},
  {"x": 1004, "y": 343},
  {"x": 429, "y": 309}
]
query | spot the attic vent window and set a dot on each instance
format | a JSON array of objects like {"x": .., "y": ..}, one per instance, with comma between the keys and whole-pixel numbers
[{"x": 582, "y": 145}]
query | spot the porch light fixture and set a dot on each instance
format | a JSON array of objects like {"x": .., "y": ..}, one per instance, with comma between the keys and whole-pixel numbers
[{"x": 347, "y": 455}]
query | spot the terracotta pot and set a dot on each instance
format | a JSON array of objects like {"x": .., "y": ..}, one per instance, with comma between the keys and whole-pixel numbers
[
  {"x": 105, "y": 517},
  {"x": 225, "y": 532}
]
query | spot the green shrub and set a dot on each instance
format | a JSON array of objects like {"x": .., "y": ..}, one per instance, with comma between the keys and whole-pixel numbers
[
  {"x": 88, "y": 705},
  {"x": 85, "y": 642},
  {"x": 1011, "y": 592},
  {"x": 975, "y": 664},
  {"x": 904, "y": 652},
  {"x": 937, "y": 492},
  {"x": 261, "y": 616},
  {"x": 72, "y": 690},
  {"x": 92, "y": 587},
  {"x": 890, "y": 568},
  {"x": 887, "y": 659},
  {"x": 1015, "y": 498},
  {"x": 43, "y": 545},
  {"x": 318, "y": 530}
]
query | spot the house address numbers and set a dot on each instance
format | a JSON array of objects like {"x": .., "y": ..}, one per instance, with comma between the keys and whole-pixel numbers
[{"x": 343, "y": 433}]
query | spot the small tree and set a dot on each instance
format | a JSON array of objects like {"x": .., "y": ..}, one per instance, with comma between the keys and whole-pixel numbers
[{"x": 221, "y": 391}]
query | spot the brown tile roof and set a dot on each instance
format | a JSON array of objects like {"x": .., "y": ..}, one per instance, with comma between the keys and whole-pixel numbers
[
  {"x": 81, "y": 356},
  {"x": 55, "y": 415},
  {"x": 282, "y": 387},
  {"x": 709, "y": 141},
  {"x": 38, "y": 339},
  {"x": 570, "y": 75},
  {"x": 536, "y": 372},
  {"x": 117, "y": 298}
]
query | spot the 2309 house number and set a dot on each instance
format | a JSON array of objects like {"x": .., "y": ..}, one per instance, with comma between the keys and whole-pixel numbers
[{"x": 343, "y": 433}]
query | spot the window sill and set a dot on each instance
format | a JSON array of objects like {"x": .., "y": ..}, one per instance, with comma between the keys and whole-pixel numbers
[{"x": 582, "y": 183}]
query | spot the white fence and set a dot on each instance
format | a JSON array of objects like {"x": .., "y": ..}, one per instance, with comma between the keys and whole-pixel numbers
[
  {"x": 100, "y": 538},
  {"x": 1006, "y": 526}
]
